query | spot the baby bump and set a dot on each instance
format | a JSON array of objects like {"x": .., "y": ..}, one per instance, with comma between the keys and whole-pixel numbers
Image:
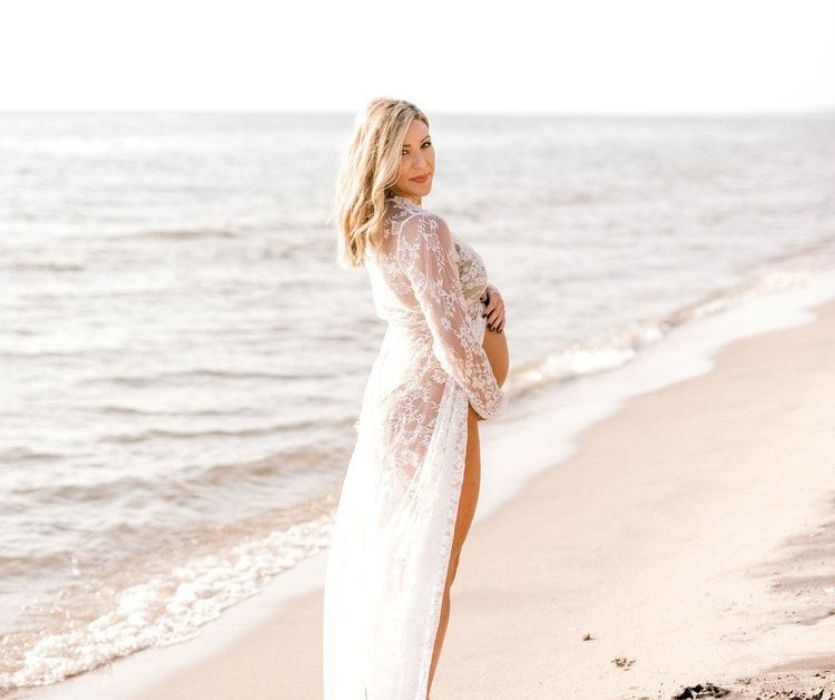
[{"x": 495, "y": 345}]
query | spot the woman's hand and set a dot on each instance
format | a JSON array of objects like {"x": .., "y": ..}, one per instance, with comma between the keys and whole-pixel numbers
[{"x": 494, "y": 311}]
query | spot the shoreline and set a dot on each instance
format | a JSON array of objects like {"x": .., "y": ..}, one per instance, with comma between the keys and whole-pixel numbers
[{"x": 525, "y": 596}]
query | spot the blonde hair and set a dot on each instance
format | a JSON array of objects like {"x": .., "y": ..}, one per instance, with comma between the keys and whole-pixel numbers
[{"x": 370, "y": 166}]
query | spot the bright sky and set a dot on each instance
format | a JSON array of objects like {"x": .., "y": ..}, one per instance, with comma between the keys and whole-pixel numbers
[{"x": 585, "y": 56}]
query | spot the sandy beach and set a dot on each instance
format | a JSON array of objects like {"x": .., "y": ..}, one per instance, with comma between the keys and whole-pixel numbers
[{"x": 688, "y": 541}]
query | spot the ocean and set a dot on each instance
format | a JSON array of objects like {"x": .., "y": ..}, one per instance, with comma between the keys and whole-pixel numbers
[{"x": 183, "y": 360}]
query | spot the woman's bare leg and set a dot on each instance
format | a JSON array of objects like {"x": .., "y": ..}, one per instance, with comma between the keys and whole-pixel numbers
[{"x": 466, "y": 511}]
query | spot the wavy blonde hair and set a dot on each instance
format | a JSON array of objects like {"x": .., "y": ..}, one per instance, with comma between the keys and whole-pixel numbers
[{"x": 370, "y": 166}]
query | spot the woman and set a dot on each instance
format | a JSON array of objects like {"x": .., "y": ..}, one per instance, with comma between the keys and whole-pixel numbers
[{"x": 410, "y": 490}]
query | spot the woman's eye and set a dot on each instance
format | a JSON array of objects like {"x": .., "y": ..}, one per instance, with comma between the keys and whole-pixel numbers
[{"x": 428, "y": 143}]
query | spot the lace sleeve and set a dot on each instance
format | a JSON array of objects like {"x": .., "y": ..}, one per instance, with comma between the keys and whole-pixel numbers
[{"x": 426, "y": 255}]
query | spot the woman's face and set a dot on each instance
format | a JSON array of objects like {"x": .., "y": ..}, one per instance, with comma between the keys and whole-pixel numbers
[{"x": 417, "y": 160}]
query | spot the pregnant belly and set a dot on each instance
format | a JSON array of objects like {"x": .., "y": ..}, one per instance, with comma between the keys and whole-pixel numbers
[{"x": 495, "y": 345}]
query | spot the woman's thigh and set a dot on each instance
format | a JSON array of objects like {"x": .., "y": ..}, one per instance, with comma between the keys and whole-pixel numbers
[{"x": 469, "y": 489}]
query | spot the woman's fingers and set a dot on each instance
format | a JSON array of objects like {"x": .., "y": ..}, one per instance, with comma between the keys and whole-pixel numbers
[
  {"x": 496, "y": 318},
  {"x": 493, "y": 311}
]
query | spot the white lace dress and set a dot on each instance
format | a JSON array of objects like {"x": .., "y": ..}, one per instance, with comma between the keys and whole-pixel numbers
[{"x": 395, "y": 520}]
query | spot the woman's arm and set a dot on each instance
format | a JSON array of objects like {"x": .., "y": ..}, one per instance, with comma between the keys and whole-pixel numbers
[{"x": 426, "y": 255}]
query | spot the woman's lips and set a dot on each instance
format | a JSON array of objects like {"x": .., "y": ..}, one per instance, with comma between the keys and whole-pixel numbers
[{"x": 422, "y": 178}]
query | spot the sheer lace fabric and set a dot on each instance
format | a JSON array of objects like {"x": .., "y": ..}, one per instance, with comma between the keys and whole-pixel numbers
[{"x": 396, "y": 516}]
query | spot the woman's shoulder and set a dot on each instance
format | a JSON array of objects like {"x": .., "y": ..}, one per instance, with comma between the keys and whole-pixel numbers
[{"x": 410, "y": 220}]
